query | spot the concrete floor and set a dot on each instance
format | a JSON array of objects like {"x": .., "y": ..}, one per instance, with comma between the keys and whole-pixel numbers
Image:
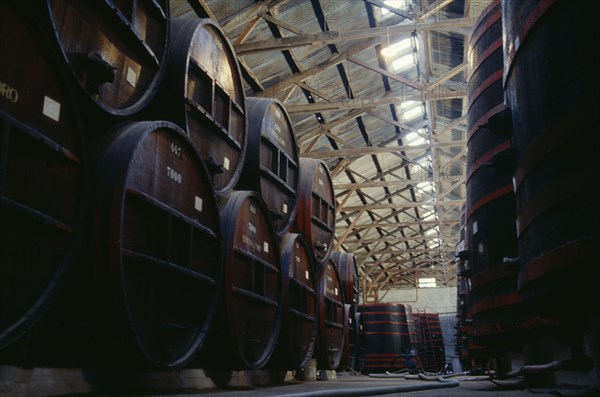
[
  {"x": 363, "y": 386},
  {"x": 18, "y": 382}
]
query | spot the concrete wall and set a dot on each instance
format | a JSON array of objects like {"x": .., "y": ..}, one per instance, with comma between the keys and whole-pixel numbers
[{"x": 433, "y": 300}]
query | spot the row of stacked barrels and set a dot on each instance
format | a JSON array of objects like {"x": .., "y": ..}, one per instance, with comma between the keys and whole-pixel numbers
[
  {"x": 394, "y": 337},
  {"x": 152, "y": 216},
  {"x": 531, "y": 230}
]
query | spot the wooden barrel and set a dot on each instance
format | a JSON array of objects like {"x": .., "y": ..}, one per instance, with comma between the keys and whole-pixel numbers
[
  {"x": 42, "y": 167},
  {"x": 271, "y": 163},
  {"x": 298, "y": 334},
  {"x": 348, "y": 269},
  {"x": 250, "y": 310},
  {"x": 330, "y": 328},
  {"x": 115, "y": 49},
  {"x": 316, "y": 207},
  {"x": 155, "y": 241},
  {"x": 555, "y": 117},
  {"x": 202, "y": 92},
  {"x": 490, "y": 204},
  {"x": 387, "y": 340}
]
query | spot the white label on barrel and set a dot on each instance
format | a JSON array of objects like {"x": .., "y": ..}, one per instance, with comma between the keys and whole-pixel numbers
[
  {"x": 251, "y": 227},
  {"x": 198, "y": 204},
  {"x": 226, "y": 163},
  {"x": 175, "y": 149},
  {"x": 265, "y": 246},
  {"x": 131, "y": 77},
  {"x": 321, "y": 181},
  {"x": 475, "y": 228},
  {"x": 174, "y": 175},
  {"x": 285, "y": 208},
  {"x": 335, "y": 290},
  {"x": 252, "y": 209},
  {"x": 51, "y": 108},
  {"x": 297, "y": 258},
  {"x": 307, "y": 274}
]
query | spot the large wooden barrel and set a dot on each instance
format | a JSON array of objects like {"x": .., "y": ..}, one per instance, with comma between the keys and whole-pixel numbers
[
  {"x": 555, "y": 117},
  {"x": 387, "y": 340},
  {"x": 490, "y": 204},
  {"x": 115, "y": 49},
  {"x": 202, "y": 92},
  {"x": 298, "y": 335},
  {"x": 155, "y": 241},
  {"x": 42, "y": 166},
  {"x": 250, "y": 310},
  {"x": 271, "y": 163},
  {"x": 330, "y": 334},
  {"x": 316, "y": 207}
]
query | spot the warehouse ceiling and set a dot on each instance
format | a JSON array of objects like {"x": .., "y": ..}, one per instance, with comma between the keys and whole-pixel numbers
[{"x": 377, "y": 90}]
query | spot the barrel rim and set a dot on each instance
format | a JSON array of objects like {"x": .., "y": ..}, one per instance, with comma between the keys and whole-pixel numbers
[
  {"x": 55, "y": 284},
  {"x": 114, "y": 275},
  {"x": 227, "y": 206},
  {"x": 147, "y": 96}
]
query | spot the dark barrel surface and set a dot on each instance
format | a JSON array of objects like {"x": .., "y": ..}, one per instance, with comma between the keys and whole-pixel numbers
[
  {"x": 316, "y": 207},
  {"x": 155, "y": 235},
  {"x": 249, "y": 314},
  {"x": 298, "y": 334},
  {"x": 202, "y": 92},
  {"x": 271, "y": 162},
  {"x": 348, "y": 270},
  {"x": 330, "y": 336},
  {"x": 555, "y": 136},
  {"x": 386, "y": 336},
  {"x": 490, "y": 204},
  {"x": 41, "y": 174},
  {"x": 115, "y": 48}
]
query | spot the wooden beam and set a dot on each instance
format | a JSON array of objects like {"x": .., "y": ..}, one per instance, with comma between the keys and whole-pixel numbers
[
  {"x": 278, "y": 22},
  {"x": 373, "y": 102},
  {"x": 398, "y": 224},
  {"x": 333, "y": 37},
  {"x": 370, "y": 207},
  {"x": 247, "y": 30},
  {"x": 333, "y": 60},
  {"x": 369, "y": 150},
  {"x": 437, "y": 6},
  {"x": 399, "y": 253},
  {"x": 386, "y": 73}
]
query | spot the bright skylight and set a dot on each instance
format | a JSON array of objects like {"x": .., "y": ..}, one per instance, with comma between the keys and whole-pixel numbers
[
  {"x": 392, "y": 4},
  {"x": 404, "y": 62},
  {"x": 395, "y": 48},
  {"x": 412, "y": 113},
  {"x": 427, "y": 282}
]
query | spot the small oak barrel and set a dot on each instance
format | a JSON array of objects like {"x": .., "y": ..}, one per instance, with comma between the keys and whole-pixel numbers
[
  {"x": 490, "y": 203},
  {"x": 155, "y": 241},
  {"x": 555, "y": 135},
  {"x": 387, "y": 340},
  {"x": 42, "y": 167},
  {"x": 330, "y": 335},
  {"x": 315, "y": 217},
  {"x": 271, "y": 163},
  {"x": 115, "y": 48},
  {"x": 249, "y": 314},
  {"x": 202, "y": 92},
  {"x": 298, "y": 334}
]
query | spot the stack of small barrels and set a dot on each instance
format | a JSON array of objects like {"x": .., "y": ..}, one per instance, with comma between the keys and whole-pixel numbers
[{"x": 152, "y": 215}]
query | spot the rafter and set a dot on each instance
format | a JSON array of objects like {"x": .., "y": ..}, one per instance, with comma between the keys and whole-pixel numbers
[
  {"x": 369, "y": 150},
  {"x": 370, "y": 207},
  {"x": 332, "y": 37}
]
